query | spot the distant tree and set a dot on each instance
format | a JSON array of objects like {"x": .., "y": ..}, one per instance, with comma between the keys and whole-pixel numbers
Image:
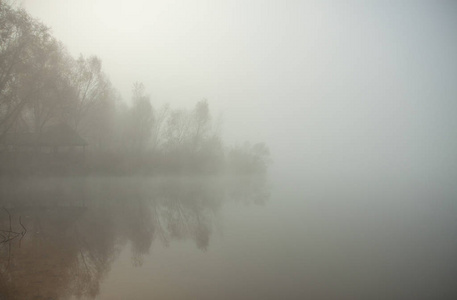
[
  {"x": 249, "y": 159},
  {"x": 201, "y": 118},
  {"x": 100, "y": 122},
  {"x": 26, "y": 53},
  {"x": 91, "y": 87},
  {"x": 140, "y": 118},
  {"x": 188, "y": 129},
  {"x": 178, "y": 129},
  {"x": 159, "y": 124},
  {"x": 54, "y": 95}
]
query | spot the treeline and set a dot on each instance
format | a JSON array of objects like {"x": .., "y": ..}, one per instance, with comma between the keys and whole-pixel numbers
[{"x": 43, "y": 86}]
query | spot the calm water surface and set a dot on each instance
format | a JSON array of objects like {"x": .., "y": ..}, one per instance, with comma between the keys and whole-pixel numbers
[{"x": 214, "y": 238}]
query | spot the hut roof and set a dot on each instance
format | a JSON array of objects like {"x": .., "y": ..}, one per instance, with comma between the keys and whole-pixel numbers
[{"x": 56, "y": 135}]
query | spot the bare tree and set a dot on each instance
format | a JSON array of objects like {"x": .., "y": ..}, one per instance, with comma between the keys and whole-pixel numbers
[
  {"x": 178, "y": 129},
  {"x": 201, "y": 118},
  {"x": 159, "y": 126},
  {"x": 140, "y": 119},
  {"x": 54, "y": 96},
  {"x": 25, "y": 51},
  {"x": 91, "y": 87}
]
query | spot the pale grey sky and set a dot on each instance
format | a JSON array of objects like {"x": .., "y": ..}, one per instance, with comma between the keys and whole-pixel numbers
[{"x": 329, "y": 85}]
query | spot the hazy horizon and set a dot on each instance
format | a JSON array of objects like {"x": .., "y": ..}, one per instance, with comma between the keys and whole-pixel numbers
[
  {"x": 353, "y": 102},
  {"x": 374, "y": 80}
]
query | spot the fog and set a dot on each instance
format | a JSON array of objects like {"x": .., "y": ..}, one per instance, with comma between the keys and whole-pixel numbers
[
  {"x": 373, "y": 80},
  {"x": 319, "y": 138}
]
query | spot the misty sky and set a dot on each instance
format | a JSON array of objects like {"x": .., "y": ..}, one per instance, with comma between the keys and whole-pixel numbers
[{"x": 331, "y": 86}]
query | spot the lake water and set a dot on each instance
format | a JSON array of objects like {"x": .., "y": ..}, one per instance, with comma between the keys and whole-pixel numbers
[{"x": 226, "y": 238}]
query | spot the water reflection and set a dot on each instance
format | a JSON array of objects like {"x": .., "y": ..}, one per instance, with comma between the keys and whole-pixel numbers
[{"x": 77, "y": 227}]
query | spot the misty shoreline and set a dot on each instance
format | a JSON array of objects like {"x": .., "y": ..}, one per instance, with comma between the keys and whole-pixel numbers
[{"x": 240, "y": 161}]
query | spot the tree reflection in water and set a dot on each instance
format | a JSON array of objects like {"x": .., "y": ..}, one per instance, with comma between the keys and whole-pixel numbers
[{"x": 77, "y": 227}]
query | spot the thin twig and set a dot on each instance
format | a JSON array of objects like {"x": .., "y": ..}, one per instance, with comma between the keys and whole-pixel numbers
[
  {"x": 25, "y": 229},
  {"x": 9, "y": 235}
]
